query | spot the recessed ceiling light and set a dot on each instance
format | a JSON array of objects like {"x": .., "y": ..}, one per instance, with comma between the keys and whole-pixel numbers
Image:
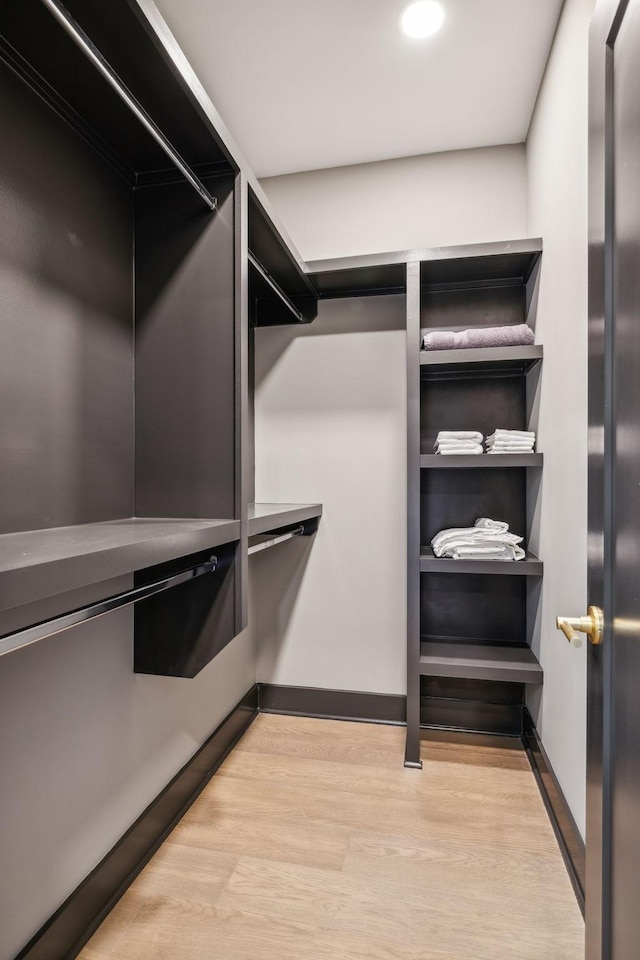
[{"x": 421, "y": 19}]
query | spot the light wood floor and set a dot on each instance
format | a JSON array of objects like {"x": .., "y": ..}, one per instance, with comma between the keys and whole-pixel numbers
[{"x": 313, "y": 842}]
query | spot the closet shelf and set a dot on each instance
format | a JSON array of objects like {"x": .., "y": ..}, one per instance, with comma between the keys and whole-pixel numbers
[
  {"x": 480, "y": 360},
  {"x": 531, "y": 566},
  {"x": 280, "y": 292},
  {"x": 44, "y": 563},
  {"x": 479, "y": 661},
  {"x": 434, "y": 461},
  {"x": 267, "y": 517},
  {"x": 264, "y": 290}
]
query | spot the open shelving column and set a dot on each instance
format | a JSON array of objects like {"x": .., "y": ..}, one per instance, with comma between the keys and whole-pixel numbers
[{"x": 469, "y": 654}]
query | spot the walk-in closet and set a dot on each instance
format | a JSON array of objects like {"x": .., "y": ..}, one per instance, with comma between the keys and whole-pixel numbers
[{"x": 317, "y": 472}]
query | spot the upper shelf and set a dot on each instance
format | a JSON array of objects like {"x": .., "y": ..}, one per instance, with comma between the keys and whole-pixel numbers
[
  {"x": 44, "y": 563},
  {"x": 266, "y": 517},
  {"x": 480, "y": 360},
  {"x": 486, "y": 264},
  {"x": 441, "y": 268}
]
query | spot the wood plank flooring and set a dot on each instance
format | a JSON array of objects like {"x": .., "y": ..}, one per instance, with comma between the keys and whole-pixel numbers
[{"x": 313, "y": 842}]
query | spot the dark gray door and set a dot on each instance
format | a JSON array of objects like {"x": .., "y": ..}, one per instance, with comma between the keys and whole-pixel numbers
[{"x": 613, "y": 767}]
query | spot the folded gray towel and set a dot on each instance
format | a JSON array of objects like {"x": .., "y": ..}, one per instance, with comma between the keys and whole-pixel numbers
[
  {"x": 499, "y": 336},
  {"x": 440, "y": 340},
  {"x": 511, "y": 336}
]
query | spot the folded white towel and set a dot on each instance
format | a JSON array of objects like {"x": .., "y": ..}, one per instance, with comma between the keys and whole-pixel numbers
[
  {"x": 460, "y": 435},
  {"x": 456, "y": 443},
  {"x": 507, "y": 447},
  {"x": 505, "y": 444},
  {"x": 511, "y": 442},
  {"x": 507, "y": 440},
  {"x": 457, "y": 446},
  {"x": 511, "y": 445},
  {"x": 512, "y": 449},
  {"x": 487, "y": 540},
  {"x": 460, "y": 451},
  {"x": 512, "y": 435},
  {"x": 488, "y": 551},
  {"x": 448, "y": 540}
]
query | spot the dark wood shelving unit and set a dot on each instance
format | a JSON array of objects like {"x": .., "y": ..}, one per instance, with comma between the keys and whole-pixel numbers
[{"x": 463, "y": 668}]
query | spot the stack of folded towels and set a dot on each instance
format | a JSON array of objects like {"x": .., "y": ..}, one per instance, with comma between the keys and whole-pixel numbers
[
  {"x": 509, "y": 336},
  {"x": 511, "y": 441},
  {"x": 458, "y": 441},
  {"x": 486, "y": 540}
]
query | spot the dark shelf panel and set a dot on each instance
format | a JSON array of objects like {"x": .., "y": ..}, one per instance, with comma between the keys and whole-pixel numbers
[
  {"x": 531, "y": 566},
  {"x": 441, "y": 268},
  {"x": 359, "y": 280},
  {"x": 483, "y": 461},
  {"x": 44, "y": 563},
  {"x": 480, "y": 360},
  {"x": 479, "y": 661},
  {"x": 490, "y": 264},
  {"x": 266, "y": 517}
]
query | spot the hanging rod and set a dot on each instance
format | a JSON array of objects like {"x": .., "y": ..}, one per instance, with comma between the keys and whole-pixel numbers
[
  {"x": 15, "y": 641},
  {"x": 83, "y": 41},
  {"x": 277, "y": 289},
  {"x": 298, "y": 532}
]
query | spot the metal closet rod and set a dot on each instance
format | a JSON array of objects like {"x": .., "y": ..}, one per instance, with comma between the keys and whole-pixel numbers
[
  {"x": 266, "y": 276},
  {"x": 257, "y": 547},
  {"x": 49, "y": 628},
  {"x": 92, "y": 53}
]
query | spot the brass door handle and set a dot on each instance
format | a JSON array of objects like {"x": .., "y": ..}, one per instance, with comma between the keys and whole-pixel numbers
[{"x": 592, "y": 625}]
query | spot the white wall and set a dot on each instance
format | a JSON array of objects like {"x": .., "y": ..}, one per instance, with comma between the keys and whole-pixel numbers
[
  {"x": 331, "y": 428},
  {"x": 466, "y": 196},
  {"x": 557, "y": 151},
  {"x": 477, "y": 195}
]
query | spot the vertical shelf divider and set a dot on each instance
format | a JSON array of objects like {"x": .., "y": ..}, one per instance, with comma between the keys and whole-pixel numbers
[{"x": 412, "y": 751}]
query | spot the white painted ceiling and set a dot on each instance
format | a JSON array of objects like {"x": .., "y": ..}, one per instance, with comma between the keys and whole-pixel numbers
[{"x": 305, "y": 84}]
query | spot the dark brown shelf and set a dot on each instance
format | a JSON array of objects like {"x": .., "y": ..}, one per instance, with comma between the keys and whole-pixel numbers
[
  {"x": 483, "y": 461},
  {"x": 44, "y": 563},
  {"x": 480, "y": 360},
  {"x": 267, "y": 517},
  {"x": 531, "y": 566},
  {"x": 499, "y": 263},
  {"x": 479, "y": 661}
]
